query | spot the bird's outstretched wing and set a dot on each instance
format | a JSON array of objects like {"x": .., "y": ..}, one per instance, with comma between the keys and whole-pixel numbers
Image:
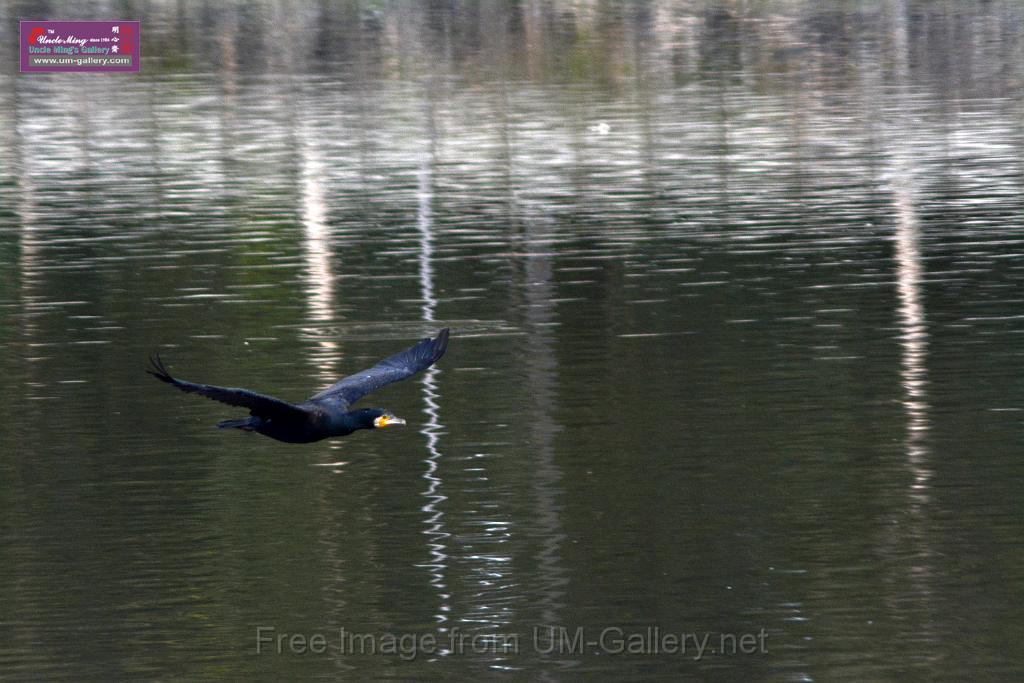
[
  {"x": 258, "y": 404},
  {"x": 391, "y": 369}
]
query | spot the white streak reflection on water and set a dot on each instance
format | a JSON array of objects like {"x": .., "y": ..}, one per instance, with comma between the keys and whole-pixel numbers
[
  {"x": 317, "y": 250},
  {"x": 433, "y": 514}
]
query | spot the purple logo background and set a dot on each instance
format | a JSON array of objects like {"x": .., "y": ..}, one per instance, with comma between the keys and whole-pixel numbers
[{"x": 79, "y": 46}]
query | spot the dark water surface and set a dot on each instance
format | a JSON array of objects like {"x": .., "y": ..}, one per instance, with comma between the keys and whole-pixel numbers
[{"x": 737, "y": 298}]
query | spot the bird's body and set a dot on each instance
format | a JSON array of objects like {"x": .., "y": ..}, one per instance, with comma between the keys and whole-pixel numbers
[
  {"x": 326, "y": 414},
  {"x": 318, "y": 422}
]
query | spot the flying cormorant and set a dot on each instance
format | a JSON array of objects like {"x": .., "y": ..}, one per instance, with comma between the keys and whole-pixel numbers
[{"x": 326, "y": 414}]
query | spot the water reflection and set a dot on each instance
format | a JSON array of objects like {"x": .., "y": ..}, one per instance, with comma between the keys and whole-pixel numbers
[
  {"x": 913, "y": 336},
  {"x": 690, "y": 215},
  {"x": 909, "y": 264},
  {"x": 916, "y": 536},
  {"x": 541, "y": 378},
  {"x": 432, "y": 509},
  {"x": 29, "y": 243},
  {"x": 317, "y": 250}
]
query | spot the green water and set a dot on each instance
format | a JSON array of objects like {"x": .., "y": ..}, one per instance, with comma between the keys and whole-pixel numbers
[{"x": 737, "y": 310}]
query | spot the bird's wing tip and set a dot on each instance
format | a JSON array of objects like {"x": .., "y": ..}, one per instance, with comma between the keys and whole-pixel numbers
[
  {"x": 158, "y": 369},
  {"x": 441, "y": 343}
]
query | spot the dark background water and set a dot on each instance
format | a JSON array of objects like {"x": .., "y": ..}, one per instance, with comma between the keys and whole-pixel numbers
[{"x": 737, "y": 310}]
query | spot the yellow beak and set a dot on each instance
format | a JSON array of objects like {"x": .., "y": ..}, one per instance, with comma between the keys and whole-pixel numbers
[{"x": 385, "y": 421}]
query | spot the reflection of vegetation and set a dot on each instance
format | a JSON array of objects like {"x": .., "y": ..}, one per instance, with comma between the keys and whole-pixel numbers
[
  {"x": 592, "y": 41},
  {"x": 735, "y": 209}
]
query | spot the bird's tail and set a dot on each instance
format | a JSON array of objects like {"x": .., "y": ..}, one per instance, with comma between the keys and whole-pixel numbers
[{"x": 244, "y": 424}]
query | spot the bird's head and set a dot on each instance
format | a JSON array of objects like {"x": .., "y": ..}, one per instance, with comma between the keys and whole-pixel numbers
[{"x": 385, "y": 418}]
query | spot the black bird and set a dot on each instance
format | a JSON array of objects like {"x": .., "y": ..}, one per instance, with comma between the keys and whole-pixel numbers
[{"x": 326, "y": 414}]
